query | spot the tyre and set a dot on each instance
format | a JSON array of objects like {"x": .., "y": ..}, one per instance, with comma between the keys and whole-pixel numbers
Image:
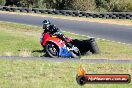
[
  {"x": 49, "y": 11},
  {"x": 62, "y": 12},
  {"x": 23, "y": 10},
  {"x": 127, "y": 16},
  {"x": 28, "y": 10},
  {"x": 4, "y": 8},
  {"x": 42, "y": 11},
  {"x": 87, "y": 15},
  {"x": 76, "y": 53},
  {"x": 101, "y": 16},
  {"x": 106, "y": 16},
  {"x": 70, "y": 13},
  {"x": 95, "y": 16},
  {"x": 1, "y": 7},
  {"x": 93, "y": 46},
  {"x": 13, "y": 9},
  {"x": 83, "y": 13},
  {"x": 56, "y": 12},
  {"x": 52, "y": 50},
  {"x": 35, "y": 10},
  {"x": 114, "y": 16},
  {"x": 7, "y": 9},
  {"x": 81, "y": 80},
  {"x": 76, "y": 13}
]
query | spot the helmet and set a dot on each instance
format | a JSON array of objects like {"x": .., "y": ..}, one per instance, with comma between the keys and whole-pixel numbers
[{"x": 46, "y": 24}]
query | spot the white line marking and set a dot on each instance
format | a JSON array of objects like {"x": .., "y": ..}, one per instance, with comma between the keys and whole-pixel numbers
[{"x": 100, "y": 39}]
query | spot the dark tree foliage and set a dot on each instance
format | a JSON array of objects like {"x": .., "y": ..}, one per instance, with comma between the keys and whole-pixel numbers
[
  {"x": 83, "y": 5},
  {"x": 12, "y": 2},
  {"x": 58, "y": 4},
  {"x": 18, "y": 3}
]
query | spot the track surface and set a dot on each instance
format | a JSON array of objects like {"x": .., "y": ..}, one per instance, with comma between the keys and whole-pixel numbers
[
  {"x": 98, "y": 30},
  {"x": 66, "y": 59}
]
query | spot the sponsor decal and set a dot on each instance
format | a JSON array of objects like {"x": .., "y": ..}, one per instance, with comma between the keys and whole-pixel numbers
[{"x": 83, "y": 78}]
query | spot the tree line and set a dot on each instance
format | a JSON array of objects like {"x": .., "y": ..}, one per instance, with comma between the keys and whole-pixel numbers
[{"x": 83, "y": 5}]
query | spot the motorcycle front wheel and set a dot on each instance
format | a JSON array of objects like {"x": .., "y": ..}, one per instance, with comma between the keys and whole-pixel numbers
[{"x": 52, "y": 50}]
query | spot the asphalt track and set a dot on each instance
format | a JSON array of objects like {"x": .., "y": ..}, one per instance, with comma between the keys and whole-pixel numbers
[
  {"x": 112, "y": 32},
  {"x": 67, "y": 59}
]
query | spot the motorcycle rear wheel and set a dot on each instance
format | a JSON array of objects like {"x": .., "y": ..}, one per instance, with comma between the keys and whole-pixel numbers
[{"x": 76, "y": 54}]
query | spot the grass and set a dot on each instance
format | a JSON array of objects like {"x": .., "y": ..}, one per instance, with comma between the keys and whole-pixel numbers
[
  {"x": 23, "y": 40},
  {"x": 48, "y": 74},
  {"x": 112, "y": 50},
  {"x": 16, "y": 39}
]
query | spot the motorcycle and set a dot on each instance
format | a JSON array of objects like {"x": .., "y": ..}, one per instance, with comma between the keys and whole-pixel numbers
[{"x": 55, "y": 47}]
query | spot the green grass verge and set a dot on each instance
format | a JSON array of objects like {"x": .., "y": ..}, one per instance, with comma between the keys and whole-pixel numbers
[
  {"x": 23, "y": 40},
  {"x": 48, "y": 74}
]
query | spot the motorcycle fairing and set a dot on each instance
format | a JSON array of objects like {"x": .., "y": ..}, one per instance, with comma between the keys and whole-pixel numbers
[
  {"x": 48, "y": 38},
  {"x": 64, "y": 52}
]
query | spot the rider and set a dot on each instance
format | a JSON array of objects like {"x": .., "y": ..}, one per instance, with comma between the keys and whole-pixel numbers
[{"x": 53, "y": 30}]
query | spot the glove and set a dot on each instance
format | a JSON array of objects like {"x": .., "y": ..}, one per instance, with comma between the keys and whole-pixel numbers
[{"x": 59, "y": 34}]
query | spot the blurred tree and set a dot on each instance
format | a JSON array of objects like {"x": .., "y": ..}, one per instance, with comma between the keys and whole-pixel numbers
[
  {"x": 58, "y": 4},
  {"x": 18, "y": 3},
  {"x": 114, "y": 5},
  {"x": 12, "y": 2},
  {"x": 84, "y": 5},
  {"x": 2, "y": 2}
]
